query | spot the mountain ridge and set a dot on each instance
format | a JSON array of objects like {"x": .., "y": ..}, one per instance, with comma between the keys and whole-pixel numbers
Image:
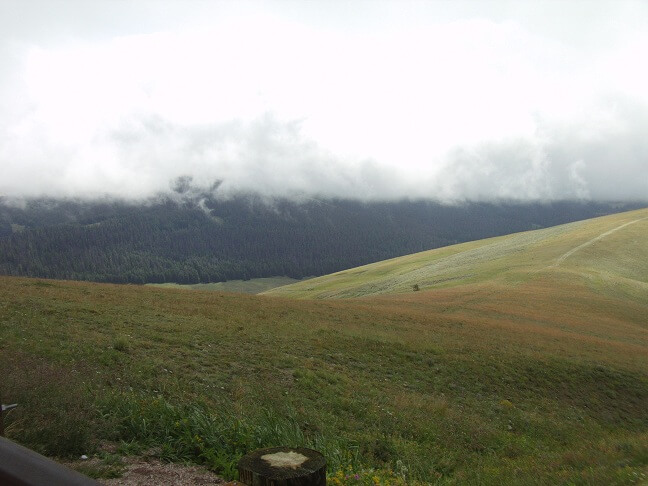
[
  {"x": 501, "y": 257},
  {"x": 203, "y": 239}
]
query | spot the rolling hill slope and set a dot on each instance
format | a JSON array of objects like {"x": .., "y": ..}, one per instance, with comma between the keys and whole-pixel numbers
[{"x": 610, "y": 248}]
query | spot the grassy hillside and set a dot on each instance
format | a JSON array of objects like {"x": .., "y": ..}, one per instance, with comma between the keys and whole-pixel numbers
[
  {"x": 610, "y": 247},
  {"x": 532, "y": 370}
]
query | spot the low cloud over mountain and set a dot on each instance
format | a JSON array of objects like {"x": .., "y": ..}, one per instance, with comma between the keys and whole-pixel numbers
[{"x": 441, "y": 101}]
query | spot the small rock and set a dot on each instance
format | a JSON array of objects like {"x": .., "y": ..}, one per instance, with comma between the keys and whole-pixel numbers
[{"x": 84, "y": 457}]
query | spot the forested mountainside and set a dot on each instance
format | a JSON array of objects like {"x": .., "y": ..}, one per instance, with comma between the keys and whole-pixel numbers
[{"x": 208, "y": 239}]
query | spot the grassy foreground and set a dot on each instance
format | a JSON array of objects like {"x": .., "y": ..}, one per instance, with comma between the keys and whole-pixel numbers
[{"x": 533, "y": 378}]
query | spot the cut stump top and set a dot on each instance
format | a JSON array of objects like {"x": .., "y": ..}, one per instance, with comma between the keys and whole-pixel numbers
[{"x": 282, "y": 463}]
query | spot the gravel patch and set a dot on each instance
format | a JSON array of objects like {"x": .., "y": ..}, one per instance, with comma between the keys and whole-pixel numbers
[{"x": 149, "y": 472}]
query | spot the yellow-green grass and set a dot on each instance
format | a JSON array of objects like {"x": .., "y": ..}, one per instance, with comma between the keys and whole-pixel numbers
[
  {"x": 619, "y": 255},
  {"x": 527, "y": 373},
  {"x": 251, "y": 286}
]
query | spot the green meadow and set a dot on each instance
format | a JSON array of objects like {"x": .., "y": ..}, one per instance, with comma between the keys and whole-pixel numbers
[{"x": 520, "y": 360}]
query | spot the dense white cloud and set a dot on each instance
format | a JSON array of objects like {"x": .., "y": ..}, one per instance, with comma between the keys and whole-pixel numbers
[{"x": 451, "y": 100}]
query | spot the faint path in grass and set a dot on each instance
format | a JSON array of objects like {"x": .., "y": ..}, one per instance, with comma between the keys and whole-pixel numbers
[{"x": 563, "y": 257}]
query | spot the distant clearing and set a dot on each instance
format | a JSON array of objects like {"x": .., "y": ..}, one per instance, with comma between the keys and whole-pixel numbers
[{"x": 252, "y": 286}]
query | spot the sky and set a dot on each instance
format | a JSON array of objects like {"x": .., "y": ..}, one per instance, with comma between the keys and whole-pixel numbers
[{"x": 446, "y": 100}]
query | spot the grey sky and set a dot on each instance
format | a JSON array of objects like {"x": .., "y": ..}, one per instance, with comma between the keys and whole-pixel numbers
[{"x": 447, "y": 100}]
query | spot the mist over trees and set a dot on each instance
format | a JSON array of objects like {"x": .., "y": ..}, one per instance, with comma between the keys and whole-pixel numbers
[{"x": 207, "y": 239}]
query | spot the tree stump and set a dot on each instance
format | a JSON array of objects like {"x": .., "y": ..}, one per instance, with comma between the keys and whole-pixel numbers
[{"x": 283, "y": 466}]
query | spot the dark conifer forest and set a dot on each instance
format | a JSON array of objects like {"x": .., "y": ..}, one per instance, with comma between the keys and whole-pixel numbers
[{"x": 208, "y": 239}]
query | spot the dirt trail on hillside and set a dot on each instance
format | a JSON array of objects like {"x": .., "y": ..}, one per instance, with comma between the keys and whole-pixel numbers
[{"x": 563, "y": 257}]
